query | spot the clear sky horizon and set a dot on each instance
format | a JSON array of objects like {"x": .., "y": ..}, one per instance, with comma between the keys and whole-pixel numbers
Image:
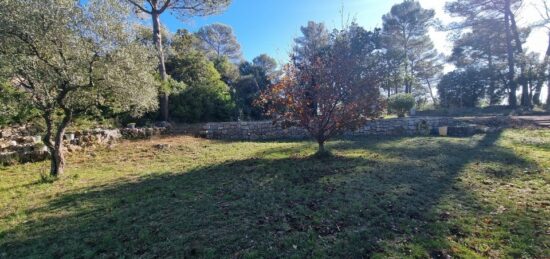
[{"x": 269, "y": 26}]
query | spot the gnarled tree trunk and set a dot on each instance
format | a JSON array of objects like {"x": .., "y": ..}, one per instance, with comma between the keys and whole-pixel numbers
[{"x": 57, "y": 165}]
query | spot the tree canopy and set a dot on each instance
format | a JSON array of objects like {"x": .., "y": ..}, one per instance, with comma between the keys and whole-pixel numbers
[
  {"x": 218, "y": 41},
  {"x": 405, "y": 34},
  {"x": 182, "y": 9},
  {"x": 328, "y": 88},
  {"x": 74, "y": 59}
]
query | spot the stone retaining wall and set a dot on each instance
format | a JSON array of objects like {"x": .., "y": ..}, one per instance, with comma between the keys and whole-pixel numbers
[
  {"x": 266, "y": 130},
  {"x": 23, "y": 144}
]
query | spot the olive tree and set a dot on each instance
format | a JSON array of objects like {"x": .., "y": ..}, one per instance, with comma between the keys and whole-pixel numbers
[{"x": 70, "y": 58}]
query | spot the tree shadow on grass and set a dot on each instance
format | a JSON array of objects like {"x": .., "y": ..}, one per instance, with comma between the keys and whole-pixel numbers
[{"x": 305, "y": 207}]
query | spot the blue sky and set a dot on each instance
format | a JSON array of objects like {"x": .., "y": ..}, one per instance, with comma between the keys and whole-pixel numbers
[{"x": 269, "y": 26}]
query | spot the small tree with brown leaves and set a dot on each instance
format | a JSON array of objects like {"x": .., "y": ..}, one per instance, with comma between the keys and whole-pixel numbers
[{"x": 335, "y": 89}]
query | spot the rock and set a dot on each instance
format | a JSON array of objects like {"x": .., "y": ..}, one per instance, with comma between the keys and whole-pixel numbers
[
  {"x": 9, "y": 158},
  {"x": 423, "y": 128},
  {"x": 445, "y": 215},
  {"x": 34, "y": 156},
  {"x": 74, "y": 148},
  {"x": 25, "y": 140},
  {"x": 141, "y": 133},
  {"x": 461, "y": 131},
  {"x": 4, "y": 144},
  {"x": 161, "y": 146},
  {"x": 440, "y": 254},
  {"x": 487, "y": 182},
  {"x": 69, "y": 136},
  {"x": 112, "y": 135},
  {"x": 37, "y": 139},
  {"x": 22, "y": 144},
  {"x": 163, "y": 124}
]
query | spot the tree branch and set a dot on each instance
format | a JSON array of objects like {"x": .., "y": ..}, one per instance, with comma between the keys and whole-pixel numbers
[
  {"x": 166, "y": 5},
  {"x": 139, "y": 6}
]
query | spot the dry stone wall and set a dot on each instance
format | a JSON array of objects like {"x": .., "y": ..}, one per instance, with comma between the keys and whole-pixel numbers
[
  {"x": 257, "y": 130},
  {"x": 266, "y": 130},
  {"x": 24, "y": 144},
  {"x": 21, "y": 144}
]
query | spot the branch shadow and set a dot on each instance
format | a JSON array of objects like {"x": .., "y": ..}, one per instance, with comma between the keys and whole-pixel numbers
[{"x": 305, "y": 207}]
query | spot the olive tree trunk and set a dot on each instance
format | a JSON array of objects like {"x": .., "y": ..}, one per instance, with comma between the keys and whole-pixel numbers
[{"x": 57, "y": 165}]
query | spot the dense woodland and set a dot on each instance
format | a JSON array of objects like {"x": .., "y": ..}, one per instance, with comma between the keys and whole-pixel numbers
[{"x": 63, "y": 60}]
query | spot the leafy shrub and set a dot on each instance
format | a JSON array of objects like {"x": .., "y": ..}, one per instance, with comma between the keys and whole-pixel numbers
[
  {"x": 206, "y": 96},
  {"x": 464, "y": 88},
  {"x": 247, "y": 90},
  {"x": 401, "y": 104},
  {"x": 15, "y": 106},
  {"x": 202, "y": 103}
]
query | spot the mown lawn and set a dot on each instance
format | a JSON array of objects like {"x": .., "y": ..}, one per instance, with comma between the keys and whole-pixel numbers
[{"x": 485, "y": 196}]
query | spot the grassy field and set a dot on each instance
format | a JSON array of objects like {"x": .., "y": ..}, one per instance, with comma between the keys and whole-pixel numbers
[
  {"x": 484, "y": 111},
  {"x": 485, "y": 196}
]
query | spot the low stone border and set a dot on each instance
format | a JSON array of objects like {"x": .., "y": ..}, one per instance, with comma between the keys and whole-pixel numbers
[
  {"x": 18, "y": 146},
  {"x": 267, "y": 130},
  {"x": 411, "y": 126},
  {"x": 142, "y": 133}
]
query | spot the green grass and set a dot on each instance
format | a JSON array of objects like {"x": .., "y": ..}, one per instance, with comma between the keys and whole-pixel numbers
[
  {"x": 482, "y": 111},
  {"x": 485, "y": 196}
]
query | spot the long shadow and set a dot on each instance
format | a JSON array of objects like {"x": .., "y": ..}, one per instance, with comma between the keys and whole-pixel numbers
[{"x": 303, "y": 207}]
